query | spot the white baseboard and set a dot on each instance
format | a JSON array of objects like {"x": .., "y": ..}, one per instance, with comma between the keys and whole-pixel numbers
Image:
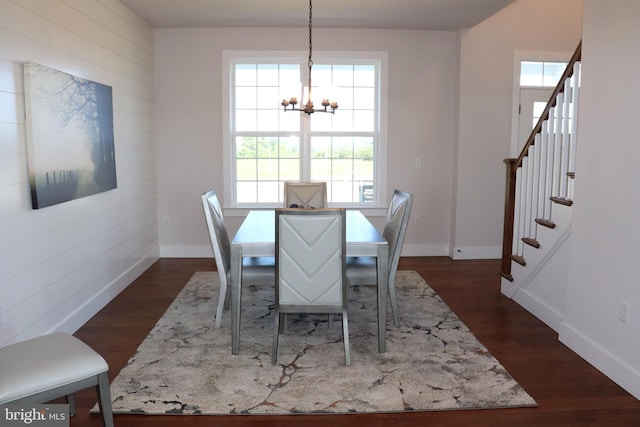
[
  {"x": 424, "y": 250},
  {"x": 606, "y": 362},
  {"x": 539, "y": 308},
  {"x": 205, "y": 251},
  {"x": 477, "y": 252},
  {"x": 86, "y": 311},
  {"x": 408, "y": 249}
]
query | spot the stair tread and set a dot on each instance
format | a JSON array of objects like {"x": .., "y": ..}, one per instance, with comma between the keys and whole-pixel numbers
[
  {"x": 509, "y": 277},
  {"x": 531, "y": 242},
  {"x": 562, "y": 201},
  {"x": 520, "y": 260},
  {"x": 546, "y": 222}
]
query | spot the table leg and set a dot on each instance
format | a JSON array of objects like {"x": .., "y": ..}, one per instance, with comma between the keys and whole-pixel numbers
[
  {"x": 383, "y": 286},
  {"x": 236, "y": 285}
]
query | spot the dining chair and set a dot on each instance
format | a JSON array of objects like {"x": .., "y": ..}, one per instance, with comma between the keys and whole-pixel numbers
[
  {"x": 310, "y": 267},
  {"x": 363, "y": 270},
  {"x": 305, "y": 195},
  {"x": 255, "y": 270}
]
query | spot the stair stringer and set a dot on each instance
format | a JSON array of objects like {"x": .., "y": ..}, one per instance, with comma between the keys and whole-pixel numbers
[{"x": 540, "y": 285}]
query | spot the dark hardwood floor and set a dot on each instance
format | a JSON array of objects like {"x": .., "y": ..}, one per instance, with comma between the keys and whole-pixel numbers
[{"x": 568, "y": 390}]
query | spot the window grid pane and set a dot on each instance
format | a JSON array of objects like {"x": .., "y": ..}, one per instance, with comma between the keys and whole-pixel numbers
[
  {"x": 346, "y": 163},
  {"x": 540, "y": 73},
  {"x": 264, "y": 160},
  {"x": 269, "y": 142}
]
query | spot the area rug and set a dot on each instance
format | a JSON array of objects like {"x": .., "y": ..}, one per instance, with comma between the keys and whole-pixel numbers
[{"x": 432, "y": 362}]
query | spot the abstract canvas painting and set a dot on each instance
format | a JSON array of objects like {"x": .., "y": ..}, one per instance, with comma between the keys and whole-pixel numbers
[{"x": 70, "y": 136}]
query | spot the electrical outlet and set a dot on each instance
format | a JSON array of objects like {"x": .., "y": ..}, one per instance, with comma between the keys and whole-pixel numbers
[
  {"x": 418, "y": 163},
  {"x": 623, "y": 314},
  {"x": 417, "y": 220},
  {"x": 167, "y": 221}
]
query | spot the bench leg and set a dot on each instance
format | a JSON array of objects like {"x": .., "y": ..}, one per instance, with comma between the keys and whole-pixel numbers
[
  {"x": 71, "y": 401},
  {"x": 104, "y": 399}
]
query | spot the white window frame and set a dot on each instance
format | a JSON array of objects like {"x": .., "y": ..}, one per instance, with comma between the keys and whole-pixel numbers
[{"x": 229, "y": 59}]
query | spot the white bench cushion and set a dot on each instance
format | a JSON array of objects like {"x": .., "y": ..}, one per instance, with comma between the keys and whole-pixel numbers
[{"x": 44, "y": 363}]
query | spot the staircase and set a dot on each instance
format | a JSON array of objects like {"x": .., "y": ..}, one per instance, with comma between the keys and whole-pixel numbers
[{"x": 538, "y": 200}]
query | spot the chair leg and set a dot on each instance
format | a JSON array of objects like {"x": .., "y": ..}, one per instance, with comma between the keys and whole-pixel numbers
[
  {"x": 104, "y": 399},
  {"x": 276, "y": 335},
  {"x": 221, "y": 304},
  {"x": 227, "y": 299},
  {"x": 345, "y": 337},
  {"x": 394, "y": 301}
]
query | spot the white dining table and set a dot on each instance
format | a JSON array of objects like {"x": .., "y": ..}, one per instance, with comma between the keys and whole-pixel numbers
[{"x": 256, "y": 237}]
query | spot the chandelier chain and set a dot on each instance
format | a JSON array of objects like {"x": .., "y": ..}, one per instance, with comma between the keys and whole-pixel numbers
[{"x": 310, "y": 39}]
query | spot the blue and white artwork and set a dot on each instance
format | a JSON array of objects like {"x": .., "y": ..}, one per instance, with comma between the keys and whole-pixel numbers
[{"x": 69, "y": 136}]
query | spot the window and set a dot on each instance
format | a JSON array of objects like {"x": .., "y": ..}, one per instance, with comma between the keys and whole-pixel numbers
[
  {"x": 266, "y": 146},
  {"x": 541, "y": 73}
]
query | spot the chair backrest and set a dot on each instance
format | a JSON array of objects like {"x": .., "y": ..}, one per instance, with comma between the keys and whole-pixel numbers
[
  {"x": 395, "y": 226},
  {"x": 310, "y": 260},
  {"x": 217, "y": 234},
  {"x": 305, "y": 194}
]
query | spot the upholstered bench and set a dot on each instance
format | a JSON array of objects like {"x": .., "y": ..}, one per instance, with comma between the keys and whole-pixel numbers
[{"x": 51, "y": 366}]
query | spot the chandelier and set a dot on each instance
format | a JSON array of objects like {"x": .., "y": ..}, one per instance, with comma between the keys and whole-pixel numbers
[{"x": 290, "y": 104}]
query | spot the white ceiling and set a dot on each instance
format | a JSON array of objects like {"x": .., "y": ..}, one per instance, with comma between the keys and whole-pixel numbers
[{"x": 389, "y": 14}]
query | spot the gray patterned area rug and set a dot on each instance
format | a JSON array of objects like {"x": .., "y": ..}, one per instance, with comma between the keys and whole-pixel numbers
[{"x": 432, "y": 362}]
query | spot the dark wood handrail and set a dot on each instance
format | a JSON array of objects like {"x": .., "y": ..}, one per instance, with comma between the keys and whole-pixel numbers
[{"x": 514, "y": 164}]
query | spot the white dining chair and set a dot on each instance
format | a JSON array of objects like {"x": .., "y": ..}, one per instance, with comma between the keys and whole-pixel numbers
[
  {"x": 255, "y": 270},
  {"x": 305, "y": 195},
  {"x": 310, "y": 267},
  {"x": 363, "y": 270}
]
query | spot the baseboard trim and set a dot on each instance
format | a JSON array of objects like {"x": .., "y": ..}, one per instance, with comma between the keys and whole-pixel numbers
[
  {"x": 205, "y": 251},
  {"x": 606, "y": 362},
  {"x": 476, "y": 252},
  {"x": 76, "y": 319},
  {"x": 538, "y": 308}
]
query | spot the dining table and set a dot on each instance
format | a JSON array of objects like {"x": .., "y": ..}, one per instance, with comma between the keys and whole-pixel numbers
[{"x": 256, "y": 238}]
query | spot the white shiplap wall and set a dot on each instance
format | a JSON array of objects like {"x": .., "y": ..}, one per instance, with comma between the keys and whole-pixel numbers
[{"x": 59, "y": 265}]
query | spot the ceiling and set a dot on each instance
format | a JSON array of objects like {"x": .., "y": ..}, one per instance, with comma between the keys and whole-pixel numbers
[{"x": 382, "y": 14}]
